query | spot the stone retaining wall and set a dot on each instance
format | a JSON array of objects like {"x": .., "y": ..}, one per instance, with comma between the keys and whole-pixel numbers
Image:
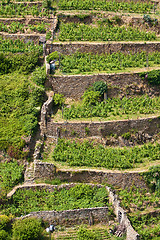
[
  {"x": 123, "y": 84},
  {"x": 25, "y": 37},
  {"x": 64, "y": 129},
  {"x": 99, "y": 48},
  {"x": 73, "y": 217},
  {"x": 124, "y": 180}
]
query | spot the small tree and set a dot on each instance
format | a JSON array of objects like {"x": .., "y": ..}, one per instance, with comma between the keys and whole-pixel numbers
[
  {"x": 100, "y": 87},
  {"x": 90, "y": 97},
  {"x": 58, "y": 99}
]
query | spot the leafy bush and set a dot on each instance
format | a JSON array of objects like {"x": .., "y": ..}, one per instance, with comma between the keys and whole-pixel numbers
[
  {"x": 39, "y": 76},
  {"x": 90, "y": 98},
  {"x": 152, "y": 178},
  {"x": 146, "y": 225},
  {"x": 4, "y": 222},
  {"x": 48, "y": 35},
  {"x": 27, "y": 229},
  {"x": 58, "y": 99},
  {"x": 18, "y": 62},
  {"x": 11, "y": 174},
  {"x": 3, "y": 235},
  {"x": 153, "y": 77},
  {"x": 149, "y": 20},
  {"x": 100, "y": 87},
  {"x": 52, "y": 56}
]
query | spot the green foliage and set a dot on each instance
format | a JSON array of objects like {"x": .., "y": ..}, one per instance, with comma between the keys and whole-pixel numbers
[
  {"x": 19, "y": 100},
  {"x": 83, "y": 32},
  {"x": 140, "y": 199},
  {"x": 88, "y": 62},
  {"x": 40, "y": 27},
  {"x": 79, "y": 196},
  {"x": 24, "y": 62},
  {"x": 3, "y": 235},
  {"x": 85, "y": 234},
  {"x": 100, "y": 87},
  {"x": 126, "y": 135},
  {"x": 149, "y": 20},
  {"x": 8, "y": 45},
  {"x": 4, "y": 222},
  {"x": 39, "y": 76},
  {"x": 48, "y": 35},
  {"x": 86, "y": 154},
  {"x": 152, "y": 178},
  {"x": 90, "y": 98},
  {"x": 115, "y": 6},
  {"x": 47, "y": 4},
  {"x": 27, "y": 229},
  {"x": 52, "y": 56},
  {"x": 153, "y": 77},
  {"x": 146, "y": 225},
  {"x": 112, "y": 107},
  {"x": 14, "y": 10},
  {"x": 14, "y": 27},
  {"x": 58, "y": 99},
  {"x": 10, "y": 175}
]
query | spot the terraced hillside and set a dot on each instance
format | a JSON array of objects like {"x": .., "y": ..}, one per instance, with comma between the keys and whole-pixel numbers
[{"x": 101, "y": 121}]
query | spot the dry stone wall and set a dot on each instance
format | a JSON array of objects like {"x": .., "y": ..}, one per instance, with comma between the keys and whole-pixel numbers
[
  {"x": 124, "y": 180},
  {"x": 25, "y": 37},
  {"x": 99, "y": 48},
  {"x": 73, "y": 217},
  {"x": 121, "y": 215},
  {"x": 122, "y": 84},
  {"x": 149, "y": 126}
]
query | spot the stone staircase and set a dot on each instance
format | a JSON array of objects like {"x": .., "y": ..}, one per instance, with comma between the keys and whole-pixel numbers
[{"x": 29, "y": 173}]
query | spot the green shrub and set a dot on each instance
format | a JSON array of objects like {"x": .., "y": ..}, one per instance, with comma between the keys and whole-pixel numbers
[
  {"x": 11, "y": 174},
  {"x": 48, "y": 35},
  {"x": 3, "y": 235},
  {"x": 58, "y": 99},
  {"x": 90, "y": 98},
  {"x": 153, "y": 77},
  {"x": 126, "y": 135},
  {"x": 39, "y": 76},
  {"x": 52, "y": 56},
  {"x": 4, "y": 222},
  {"x": 27, "y": 229},
  {"x": 152, "y": 178},
  {"x": 24, "y": 62},
  {"x": 100, "y": 87}
]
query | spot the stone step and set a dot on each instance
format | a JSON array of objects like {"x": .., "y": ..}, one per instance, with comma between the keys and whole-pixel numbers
[{"x": 29, "y": 173}]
